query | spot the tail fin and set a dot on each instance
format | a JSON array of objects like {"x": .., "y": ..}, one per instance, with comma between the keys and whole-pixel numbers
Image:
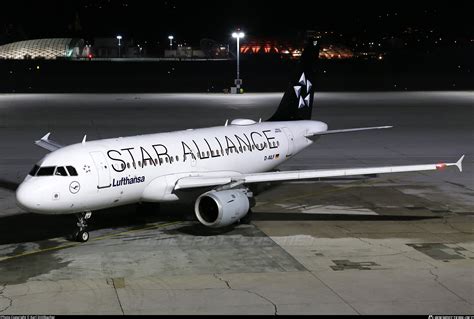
[{"x": 297, "y": 102}]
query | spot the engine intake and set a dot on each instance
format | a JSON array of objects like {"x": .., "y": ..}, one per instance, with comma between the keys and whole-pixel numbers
[{"x": 221, "y": 208}]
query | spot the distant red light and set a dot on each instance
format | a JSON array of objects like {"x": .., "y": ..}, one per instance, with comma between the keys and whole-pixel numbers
[{"x": 89, "y": 56}]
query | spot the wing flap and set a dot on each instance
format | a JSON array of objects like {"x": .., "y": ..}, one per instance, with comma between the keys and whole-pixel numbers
[
  {"x": 48, "y": 144},
  {"x": 203, "y": 181}
]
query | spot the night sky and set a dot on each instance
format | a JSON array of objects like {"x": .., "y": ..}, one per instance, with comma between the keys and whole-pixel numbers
[{"x": 194, "y": 20}]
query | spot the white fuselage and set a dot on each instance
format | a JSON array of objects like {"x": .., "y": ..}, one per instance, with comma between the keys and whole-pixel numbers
[{"x": 124, "y": 170}]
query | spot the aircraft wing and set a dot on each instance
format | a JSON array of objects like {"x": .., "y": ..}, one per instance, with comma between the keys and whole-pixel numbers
[
  {"x": 207, "y": 181},
  {"x": 48, "y": 144}
]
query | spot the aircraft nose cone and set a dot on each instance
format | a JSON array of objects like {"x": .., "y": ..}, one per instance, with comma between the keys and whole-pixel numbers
[{"x": 25, "y": 197}]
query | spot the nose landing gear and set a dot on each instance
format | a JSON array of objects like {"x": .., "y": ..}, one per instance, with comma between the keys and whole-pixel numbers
[{"x": 82, "y": 235}]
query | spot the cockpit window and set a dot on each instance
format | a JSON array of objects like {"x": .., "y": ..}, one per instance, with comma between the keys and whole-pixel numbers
[
  {"x": 60, "y": 171},
  {"x": 46, "y": 171},
  {"x": 34, "y": 170},
  {"x": 72, "y": 171}
]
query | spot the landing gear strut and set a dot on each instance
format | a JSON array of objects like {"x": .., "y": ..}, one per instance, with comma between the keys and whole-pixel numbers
[
  {"x": 82, "y": 235},
  {"x": 247, "y": 218}
]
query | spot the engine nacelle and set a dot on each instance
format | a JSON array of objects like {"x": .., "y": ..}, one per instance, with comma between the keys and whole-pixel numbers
[{"x": 221, "y": 208}]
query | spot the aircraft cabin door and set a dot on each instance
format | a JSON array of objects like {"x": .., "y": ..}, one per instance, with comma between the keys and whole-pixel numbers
[
  {"x": 290, "y": 139},
  {"x": 103, "y": 170}
]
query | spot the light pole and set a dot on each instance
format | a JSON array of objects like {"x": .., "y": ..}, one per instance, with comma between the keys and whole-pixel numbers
[
  {"x": 170, "y": 37},
  {"x": 119, "y": 37},
  {"x": 238, "y": 35}
]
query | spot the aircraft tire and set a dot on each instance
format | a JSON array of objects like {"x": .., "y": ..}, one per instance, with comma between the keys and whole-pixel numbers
[
  {"x": 82, "y": 236},
  {"x": 247, "y": 218}
]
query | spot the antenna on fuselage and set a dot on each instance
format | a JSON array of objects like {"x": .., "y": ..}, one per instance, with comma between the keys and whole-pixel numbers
[
  {"x": 84, "y": 139},
  {"x": 226, "y": 122}
]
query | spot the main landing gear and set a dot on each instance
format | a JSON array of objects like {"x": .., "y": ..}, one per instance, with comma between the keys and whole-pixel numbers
[
  {"x": 82, "y": 235},
  {"x": 247, "y": 218}
]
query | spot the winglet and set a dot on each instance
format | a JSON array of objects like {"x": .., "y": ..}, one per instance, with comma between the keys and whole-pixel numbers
[
  {"x": 459, "y": 163},
  {"x": 48, "y": 144},
  {"x": 46, "y": 137}
]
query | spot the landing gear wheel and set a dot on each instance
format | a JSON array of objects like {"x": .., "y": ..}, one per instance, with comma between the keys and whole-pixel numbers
[
  {"x": 247, "y": 218},
  {"x": 82, "y": 236}
]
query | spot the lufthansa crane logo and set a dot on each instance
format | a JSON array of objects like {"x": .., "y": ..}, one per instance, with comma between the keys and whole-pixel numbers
[
  {"x": 74, "y": 187},
  {"x": 305, "y": 85}
]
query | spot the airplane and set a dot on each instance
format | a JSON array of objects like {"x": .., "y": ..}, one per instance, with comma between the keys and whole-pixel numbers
[{"x": 214, "y": 166}]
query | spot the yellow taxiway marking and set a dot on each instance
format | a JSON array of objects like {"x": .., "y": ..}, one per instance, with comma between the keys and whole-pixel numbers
[{"x": 94, "y": 239}]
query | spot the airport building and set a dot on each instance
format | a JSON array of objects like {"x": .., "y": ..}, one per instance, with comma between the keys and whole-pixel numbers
[
  {"x": 45, "y": 49},
  {"x": 290, "y": 50}
]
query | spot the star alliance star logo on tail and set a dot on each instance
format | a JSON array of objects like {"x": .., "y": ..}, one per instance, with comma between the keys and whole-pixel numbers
[{"x": 306, "y": 84}]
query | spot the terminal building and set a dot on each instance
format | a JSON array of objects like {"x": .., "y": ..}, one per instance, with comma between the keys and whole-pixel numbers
[
  {"x": 291, "y": 50},
  {"x": 48, "y": 49}
]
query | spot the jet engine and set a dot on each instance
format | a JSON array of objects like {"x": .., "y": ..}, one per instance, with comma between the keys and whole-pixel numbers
[{"x": 222, "y": 208}]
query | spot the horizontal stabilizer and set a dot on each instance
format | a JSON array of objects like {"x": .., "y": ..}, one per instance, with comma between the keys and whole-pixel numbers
[
  {"x": 48, "y": 144},
  {"x": 348, "y": 130}
]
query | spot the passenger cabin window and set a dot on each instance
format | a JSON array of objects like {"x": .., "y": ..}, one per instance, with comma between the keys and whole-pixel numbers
[
  {"x": 46, "y": 171},
  {"x": 60, "y": 171},
  {"x": 72, "y": 171},
  {"x": 34, "y": 170}
]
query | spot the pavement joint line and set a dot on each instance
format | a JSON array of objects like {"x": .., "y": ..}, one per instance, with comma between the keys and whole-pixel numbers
[
  {"x": 116, "y": 294},
  {"x": 78, "y": 244},
  {"x": 334, "y": 292},
  {"x": 436, "y": 279}
]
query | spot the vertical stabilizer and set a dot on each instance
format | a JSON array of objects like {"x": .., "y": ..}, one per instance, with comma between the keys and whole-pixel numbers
[{"x": 297, "y": 102}]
